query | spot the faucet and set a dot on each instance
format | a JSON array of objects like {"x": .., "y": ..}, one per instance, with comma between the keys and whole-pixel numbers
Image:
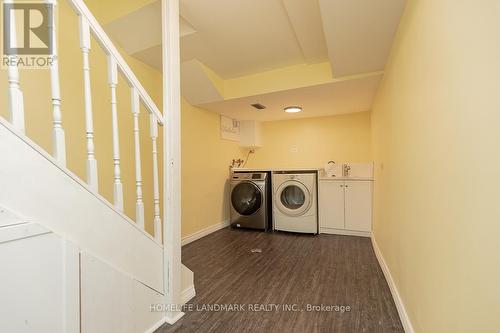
[{"x": 347, "y": 168}]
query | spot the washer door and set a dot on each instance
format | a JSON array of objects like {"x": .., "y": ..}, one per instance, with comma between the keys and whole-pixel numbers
[
  {"x": 246, "y": 198},
  {"x": 293, "y": 198}
]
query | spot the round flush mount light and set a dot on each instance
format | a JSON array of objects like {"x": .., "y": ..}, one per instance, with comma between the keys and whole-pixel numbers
[{"x": 293, "y": 109}]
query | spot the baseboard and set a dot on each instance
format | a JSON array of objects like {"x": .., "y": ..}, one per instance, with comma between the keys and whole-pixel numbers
[
  {"x": 187, "y": 294},
  {"x": 403, "y": 315},
  {"x": 344, "y": 232},
  {"x": 172, "y": 320},
  {"x": 203, "y": 232},
  {"x": 156, "y": 326}
]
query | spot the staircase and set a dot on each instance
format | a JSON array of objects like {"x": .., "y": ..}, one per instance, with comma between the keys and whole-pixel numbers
[{"x": 74, "y": 259}]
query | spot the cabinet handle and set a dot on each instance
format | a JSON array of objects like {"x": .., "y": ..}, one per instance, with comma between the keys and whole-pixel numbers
[
  {"x": 347, "y": 186},
  {"x": 341, "y": 185}
]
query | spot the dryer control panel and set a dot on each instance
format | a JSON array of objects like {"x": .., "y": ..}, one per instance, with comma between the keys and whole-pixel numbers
[{"x": 249, "y": 176}]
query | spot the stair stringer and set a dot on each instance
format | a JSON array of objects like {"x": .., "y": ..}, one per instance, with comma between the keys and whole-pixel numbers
[{"x": 35, "y": 185}]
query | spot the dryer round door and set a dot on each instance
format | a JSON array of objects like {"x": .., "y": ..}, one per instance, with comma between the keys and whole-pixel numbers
[
  {"x": 293, "y": 198},
  {"x": 246, "y": 198}
]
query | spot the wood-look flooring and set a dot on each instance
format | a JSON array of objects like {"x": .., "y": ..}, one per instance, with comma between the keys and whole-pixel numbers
[{"x": 292, "y": 269}]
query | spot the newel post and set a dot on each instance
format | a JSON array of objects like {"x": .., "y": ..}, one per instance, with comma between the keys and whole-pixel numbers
[{"x": 172, "y": 157}]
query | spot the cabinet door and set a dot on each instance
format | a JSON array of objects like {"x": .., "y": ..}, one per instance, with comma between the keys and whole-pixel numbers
[
  {"x": 358, "y": 205},
  {"x": 331, "y": 204}
]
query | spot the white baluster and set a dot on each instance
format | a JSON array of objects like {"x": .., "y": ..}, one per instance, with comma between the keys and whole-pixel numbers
[
  {"x": 58, "y": 140},
  {"x": 139, "y": 206},
  {"x": 16, "y": 101},
  {"x": 89, "y": 127},
  {"x": 113, "y": 82},
  {"x": 156, "y": 186}
]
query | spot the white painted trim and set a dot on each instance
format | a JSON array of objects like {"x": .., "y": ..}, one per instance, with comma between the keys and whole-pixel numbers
[
  {"x": 8, "y": 217},
  {"x": 403, "y": 314},
  {"x": 174, "y": 319},
  {"x": 204, "y": 232},
  {"x": 188, "y": 294},
  {"x": 156, "y": 326},
  {"x": 71, "y": 286},
  {"x": 21, "y": 231},
  {"x": 172, "y": 265},
  {"x": 333, "y": 231}
]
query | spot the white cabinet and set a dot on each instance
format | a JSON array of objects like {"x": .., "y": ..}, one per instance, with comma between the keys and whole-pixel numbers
[
  {"x": 358, "y": 205},
  {"x": 250, "y": 136},
  {"x": 345, "y": 207},
  {"x": 331, "y": 204}
]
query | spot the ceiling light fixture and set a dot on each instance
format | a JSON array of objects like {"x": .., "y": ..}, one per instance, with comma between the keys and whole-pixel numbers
[{"x": 293, "y": 109}]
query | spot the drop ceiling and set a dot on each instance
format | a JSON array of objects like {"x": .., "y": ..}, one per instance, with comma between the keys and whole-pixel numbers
[
  {"x": 334, "y": 98},
  {"x": 224, "y": 40}
]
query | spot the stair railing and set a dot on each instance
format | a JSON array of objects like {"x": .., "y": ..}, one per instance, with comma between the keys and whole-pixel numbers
[{"x": 88, "y": 26}]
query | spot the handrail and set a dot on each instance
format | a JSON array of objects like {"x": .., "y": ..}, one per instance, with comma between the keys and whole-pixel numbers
[{"x": 103, "y": 39}]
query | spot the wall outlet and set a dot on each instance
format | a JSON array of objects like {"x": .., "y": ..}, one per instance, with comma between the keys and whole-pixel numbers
[{"x": 294, "y": 150}]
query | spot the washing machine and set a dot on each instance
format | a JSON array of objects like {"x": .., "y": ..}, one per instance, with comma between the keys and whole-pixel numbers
[
  {"x": 249, "y": 200},
  {"x": 295, "y": 206}
]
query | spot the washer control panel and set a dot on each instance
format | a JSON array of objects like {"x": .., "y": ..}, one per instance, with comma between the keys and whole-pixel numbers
[{"x": 249, "y": 176}]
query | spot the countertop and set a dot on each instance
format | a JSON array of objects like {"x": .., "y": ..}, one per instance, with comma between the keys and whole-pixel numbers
[
  {"x": 344, "y": 178},
  {"x": 276, "y": 169},
  {"x": 321, "y": 175}
]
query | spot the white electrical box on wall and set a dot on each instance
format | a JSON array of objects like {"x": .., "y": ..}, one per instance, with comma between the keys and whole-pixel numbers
[
  {"x": 250, "y": 134},
  {"x": 229, "y": 129}
]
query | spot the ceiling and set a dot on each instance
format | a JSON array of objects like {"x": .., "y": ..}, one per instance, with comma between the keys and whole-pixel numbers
[
  {"x": 223, "y": 41},
  {"x": 359, "y": 33},
  {"x": 236, "y": 38},
  {"x": 327, "y": 99}
]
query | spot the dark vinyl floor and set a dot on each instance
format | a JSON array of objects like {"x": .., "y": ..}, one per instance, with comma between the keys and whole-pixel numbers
[{"x": 292, "y": 271}]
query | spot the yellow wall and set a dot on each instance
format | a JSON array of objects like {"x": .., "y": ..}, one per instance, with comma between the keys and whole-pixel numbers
[
  {"x": 206, "y": 157},
  {"x": 314, "y": 141},
  {"x": 436, "y": 147},
  {"x": 38, "y": 112},
  {"x": 205, "y": 169},
  {"x": 290, "y": 77}
]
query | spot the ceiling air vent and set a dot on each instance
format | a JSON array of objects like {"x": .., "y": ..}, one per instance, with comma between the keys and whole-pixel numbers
[{"x": 258, "y": 106}]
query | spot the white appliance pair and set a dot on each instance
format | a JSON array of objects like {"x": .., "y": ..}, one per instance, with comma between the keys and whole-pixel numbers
[{"x": 295, "y": 207}]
